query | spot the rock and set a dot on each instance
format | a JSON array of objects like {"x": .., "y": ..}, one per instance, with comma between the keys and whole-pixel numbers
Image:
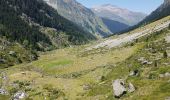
[
  {"x": 167, "y": 74},
  {"x": 86, "y": 87},
  {"x": 131, "y": 88},
  {"x": 19, "y": 95},
  {"x": 161, "y": 75},
  {"x": 167, "y": 98},
  {"x": 2, "y": 61},
  {"x": 101, "y": 78},
  {"x": 119, "y": 88},
  {"x": 134, "y": 73},
  {"x": 12, "y": 53},
  {"x": 141, "y": 59},
  {"x": 3, "y": 92},
  {"x": 144, "y": 61}
]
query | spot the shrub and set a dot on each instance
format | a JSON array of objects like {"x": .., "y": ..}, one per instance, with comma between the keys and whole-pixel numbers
[{"x": 165, "y": 54}]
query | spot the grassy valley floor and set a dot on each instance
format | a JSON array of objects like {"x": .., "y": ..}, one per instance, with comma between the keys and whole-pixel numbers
[{"x": 76, "y": 73}]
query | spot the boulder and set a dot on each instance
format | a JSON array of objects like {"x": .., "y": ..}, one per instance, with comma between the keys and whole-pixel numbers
[
  {"x": 131, "y": 88},
  {"x": 119, "y": 88}
]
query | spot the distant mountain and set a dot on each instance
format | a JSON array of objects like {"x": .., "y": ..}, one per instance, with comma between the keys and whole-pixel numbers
[
  {"x": 160, "y": 12},
  {"x": 119, "y": 14},
  {"x": 82, "y": 16},
  {"x": 114, "y": 26}
]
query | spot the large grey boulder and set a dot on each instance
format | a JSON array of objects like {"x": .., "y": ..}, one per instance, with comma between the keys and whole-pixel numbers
[{"x": 119, "y": 87}]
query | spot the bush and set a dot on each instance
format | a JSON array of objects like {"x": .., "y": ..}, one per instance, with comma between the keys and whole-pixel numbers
[{"x": 165, "y": 54}]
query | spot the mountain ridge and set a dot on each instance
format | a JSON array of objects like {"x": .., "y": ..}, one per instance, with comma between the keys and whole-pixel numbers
[
  {"x": 82, "y": 16},
  {"x": 118, "y": 14}
]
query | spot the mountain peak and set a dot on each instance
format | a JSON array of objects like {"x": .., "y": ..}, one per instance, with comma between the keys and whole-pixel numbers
[{"x": 119, "y": 14}]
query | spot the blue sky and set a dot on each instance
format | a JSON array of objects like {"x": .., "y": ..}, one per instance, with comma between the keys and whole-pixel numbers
[{"x": 146, "y": 6}]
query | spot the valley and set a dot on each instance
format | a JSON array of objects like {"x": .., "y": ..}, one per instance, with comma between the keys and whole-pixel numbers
[
  {"x": 62, "y": 50},
  {"x": 78, "y": 73}
]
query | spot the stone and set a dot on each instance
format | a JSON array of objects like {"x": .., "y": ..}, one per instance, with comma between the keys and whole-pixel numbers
[
  {"x": 19, "y": 95},
  {"x": 12, "y": 53},
  {"x": 134, "y": 73},
  {"x": 167, "y": 74},
  {"x": 86, "y": 87},
  {"x": 119, "y": 88},
  {"x": 2, "y": 61},
  {"x": 131, "y": 88},
  {"x": 3, "y": 92}
]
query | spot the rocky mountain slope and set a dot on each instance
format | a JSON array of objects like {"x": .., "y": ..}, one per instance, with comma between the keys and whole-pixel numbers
[
  {"x": 118, "y": 14},
  {"x": 34, "y": 26},
  {"x": 82, "y": 16},
  {"x": 159, "y": 13}
]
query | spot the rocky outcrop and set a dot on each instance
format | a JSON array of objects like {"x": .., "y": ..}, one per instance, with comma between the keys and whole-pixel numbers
[{"x": 119, "y": 88}]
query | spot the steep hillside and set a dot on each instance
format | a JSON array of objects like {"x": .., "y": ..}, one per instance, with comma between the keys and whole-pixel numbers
[
  {"x": 82, "y": 16},
  {"x": 114, "y": 26},
  {"x": 33, "y": 25},
  {"x": 118, "y": 14},
  {"x": 159, "y": 13}
]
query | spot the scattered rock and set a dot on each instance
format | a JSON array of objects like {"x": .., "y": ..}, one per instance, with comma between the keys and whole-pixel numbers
[
  {"x": 167, "y": 74},
  {"x": 143, "y": 61},
  {"x": 167, "y": 98},
  {"x": 131, "y": 88},
  {"x": 119, "y": 88},
  {"x": 3, "y": 92},
  {"x": 2, "y": 61},
  {"x": 12, "y": 53},
  {"x": 101, "y": 78},
  {"x": 134, "y": 73},
  {"x": 86, "y": 87},
  {"x": 19, "y": 95}
]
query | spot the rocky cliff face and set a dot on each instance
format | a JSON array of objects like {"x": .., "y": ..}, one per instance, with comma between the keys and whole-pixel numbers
[{"x": 82, "y": 16}]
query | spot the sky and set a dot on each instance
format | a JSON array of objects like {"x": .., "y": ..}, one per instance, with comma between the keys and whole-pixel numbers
[{"x": 145, "y": 6}]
